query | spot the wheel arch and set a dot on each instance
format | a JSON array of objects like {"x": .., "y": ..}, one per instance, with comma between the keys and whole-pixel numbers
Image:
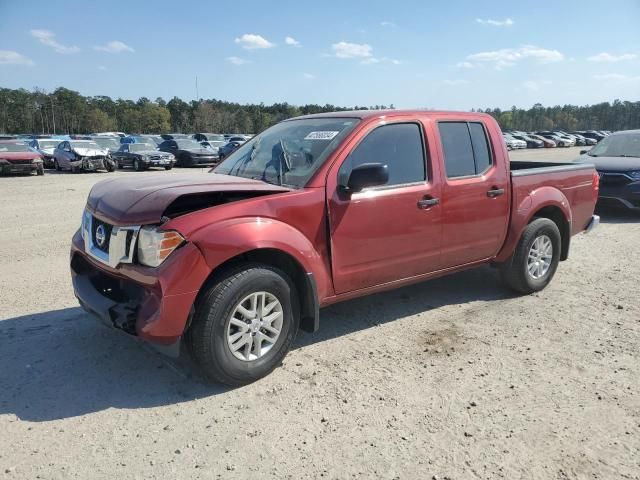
[{"x": 304, "y": 281}]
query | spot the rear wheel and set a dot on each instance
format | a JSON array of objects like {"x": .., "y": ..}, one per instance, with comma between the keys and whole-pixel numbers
[
  {"x": 244, "y": 325},
  {"x": 535, "y": 259}
]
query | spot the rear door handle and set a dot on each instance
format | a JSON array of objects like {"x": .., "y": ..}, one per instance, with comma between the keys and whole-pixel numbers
[
  {"x": 495, "y": 192},
  {"x": 427, "y": 203}
]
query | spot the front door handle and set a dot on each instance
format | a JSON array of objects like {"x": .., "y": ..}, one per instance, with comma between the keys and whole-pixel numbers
[
  {"x": 495, "y": 192},
  {"x": 427, "y": 203}
]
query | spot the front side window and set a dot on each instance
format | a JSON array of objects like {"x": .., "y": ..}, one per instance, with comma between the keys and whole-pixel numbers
[
  {"x": 290, "y": 152},
  {"x": 399, "y": 146},
  {"x": 466, "y": 149}
]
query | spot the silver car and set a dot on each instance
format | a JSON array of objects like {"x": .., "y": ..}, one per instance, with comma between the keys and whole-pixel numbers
[
  {"x": 82, "y": 155},
  {"x": 45, "y": 147}
]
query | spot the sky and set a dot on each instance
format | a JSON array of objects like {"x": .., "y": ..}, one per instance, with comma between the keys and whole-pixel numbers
[{"x": 453, "y": 55}]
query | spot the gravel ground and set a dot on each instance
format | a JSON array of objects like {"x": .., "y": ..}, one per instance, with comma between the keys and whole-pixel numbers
[{"x": 454, "y": 378}]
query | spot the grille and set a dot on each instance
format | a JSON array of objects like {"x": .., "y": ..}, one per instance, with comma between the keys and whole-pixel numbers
[
  {"x": 95, "y": 225},
  {"x": 20, "y": 162}
]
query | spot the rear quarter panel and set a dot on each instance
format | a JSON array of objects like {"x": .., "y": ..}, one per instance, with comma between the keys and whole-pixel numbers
[{"x": 569, "y": 190}]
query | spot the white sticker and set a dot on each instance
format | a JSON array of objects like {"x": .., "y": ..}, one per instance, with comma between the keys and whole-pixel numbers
[{"x": 321, "y": 135}]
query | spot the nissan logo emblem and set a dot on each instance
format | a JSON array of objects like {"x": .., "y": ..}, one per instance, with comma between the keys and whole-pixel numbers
[{"x": 101, "y": 235}]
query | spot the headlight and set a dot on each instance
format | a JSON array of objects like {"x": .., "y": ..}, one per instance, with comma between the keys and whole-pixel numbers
[
  {"x": 172, "y": 156},
  {"x": 635, "y": 174},
  {"x": 145, "y": 158},
  {"x": 36, "y": 160},
  {"x": 155, "y": 245},
  {"x": 84, "y": 224}
]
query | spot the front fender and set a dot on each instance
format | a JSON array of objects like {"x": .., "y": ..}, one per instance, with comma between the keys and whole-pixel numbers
[
  {"x": 224, "y": 240},
  {"x": 524, "y": 210}
]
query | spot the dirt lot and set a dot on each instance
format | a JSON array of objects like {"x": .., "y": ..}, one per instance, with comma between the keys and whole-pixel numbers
[{"x": 455, "y": 378}]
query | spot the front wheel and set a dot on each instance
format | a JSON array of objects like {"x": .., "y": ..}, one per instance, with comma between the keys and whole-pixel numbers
[
  {"x": 169, "y": 167},
  {"x": 137, "y": 166},
  {"x": 56, "y": 165},
  {"x": 244, "y": 325},
  {"x": 535, "y": 259},
  {"x": 40, "y": 170}
]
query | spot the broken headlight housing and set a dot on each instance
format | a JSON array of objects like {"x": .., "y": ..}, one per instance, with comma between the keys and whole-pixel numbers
[{"x": 155, "y": 245}]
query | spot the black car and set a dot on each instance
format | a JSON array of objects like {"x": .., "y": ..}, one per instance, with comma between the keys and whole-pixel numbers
[
  {"x": 174, "y": 136},
  {"x": 228, "y": 148},
  {"x": 141, "y": 156},
  {"x": 189, "y": 153},
  {"x": 617, "y": 160},
  {"x": 531, "y": 142},
  {"x": 593, "y": 134}
]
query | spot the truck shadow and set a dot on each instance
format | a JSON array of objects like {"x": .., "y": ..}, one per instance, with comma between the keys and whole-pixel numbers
[
  {"x": 62, "y": 363},
  {"x": 344, "y": 318}
]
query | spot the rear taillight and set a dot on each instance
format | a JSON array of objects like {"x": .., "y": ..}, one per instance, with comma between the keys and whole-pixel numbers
[{"x": 596, "y": 184}]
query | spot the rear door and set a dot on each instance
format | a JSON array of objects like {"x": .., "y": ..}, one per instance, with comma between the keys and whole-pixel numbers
[
  {"x": 389, "y": 232},
  {"x": 475, "y": 196}
]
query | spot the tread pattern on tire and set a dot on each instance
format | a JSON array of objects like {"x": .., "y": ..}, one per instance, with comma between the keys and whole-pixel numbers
[
  {"x": 513, "y": 272},
  {"x": 200, "y": 331}
]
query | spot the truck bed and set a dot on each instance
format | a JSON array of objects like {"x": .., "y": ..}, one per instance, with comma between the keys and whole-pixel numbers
[{"x": 573, "y": 180}]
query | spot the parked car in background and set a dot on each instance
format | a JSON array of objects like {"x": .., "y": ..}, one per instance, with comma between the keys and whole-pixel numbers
[
  {"x": 617, "y": 160},
  {"x": 212, "y": 141},
  {"x": 592, "y": 134},
  {"x": 110, "y": 134},
  {"x": 189, "y": 153},
  {"x": 547, "y": 142},
  {"x": 82, "y": 155},
  {"x": 513, "y": 143},
  {"x": 18, "y": 157},
  {"x": 142, "y": 156},
  {"x": 228, "y": 148},
  {"x": 174, "y": 136},
  {"x": 111, "y": 144},
  {"x": 559, "y": 141},
  {"x": 531, "y": 142},
  {"x": 585, "y": 141},
  {"x": 45, "y": 147},
  {"x": 314, "y": 211},
  {"x": 150, "y": 139}
]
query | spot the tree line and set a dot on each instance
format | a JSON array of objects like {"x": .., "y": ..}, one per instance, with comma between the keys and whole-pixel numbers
[{"x": 65, "y": 111}]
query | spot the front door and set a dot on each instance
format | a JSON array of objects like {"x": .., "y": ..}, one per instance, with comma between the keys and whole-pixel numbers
[{"x": 389, "y": 232}]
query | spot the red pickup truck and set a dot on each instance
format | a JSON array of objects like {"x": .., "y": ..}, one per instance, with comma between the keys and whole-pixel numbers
[{"x": 313, "y": 211}]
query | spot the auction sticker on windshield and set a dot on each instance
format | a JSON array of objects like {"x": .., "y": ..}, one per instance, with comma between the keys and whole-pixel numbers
[{"x": 321, "y": 135}]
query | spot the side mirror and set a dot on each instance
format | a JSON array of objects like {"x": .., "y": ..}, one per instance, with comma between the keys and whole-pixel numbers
[
  {"x": 367, "y": 175},
  {"x": 582, "y": 152}
]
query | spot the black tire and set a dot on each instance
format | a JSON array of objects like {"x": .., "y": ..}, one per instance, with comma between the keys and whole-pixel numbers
[
  {"x": 56, "y": 165},
  {"x": 169, "y": 167},
  {"x": 137, "y": 166},
  {"x": 206, "y": 338},
  {"x": 40, "y": 170},
  {"x": 109, "y": 166},
  {"x": 515, "y": 273}
]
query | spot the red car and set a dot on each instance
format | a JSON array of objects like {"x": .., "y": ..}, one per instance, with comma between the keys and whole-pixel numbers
[
  {"x": 314, "y": 211},
  {"x": 17, "y": 157}
]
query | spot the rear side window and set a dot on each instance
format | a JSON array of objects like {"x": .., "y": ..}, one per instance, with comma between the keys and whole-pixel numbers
[
  {"x": 466, "y": 150},
  {"x": 399, "y": 146}
]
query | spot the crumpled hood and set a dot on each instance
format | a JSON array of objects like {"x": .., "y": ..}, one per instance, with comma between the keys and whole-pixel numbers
[
  {"x": 48, "y": 151},
  {"x": 611, "y": 164},
  {"x": 138, "y": 199},
  {"x": 90, "y": 152}
]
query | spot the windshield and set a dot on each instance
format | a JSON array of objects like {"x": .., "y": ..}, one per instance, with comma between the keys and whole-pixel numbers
[
  {"x": 624, "y": 145},
  {"x": 141, "y": 147},
  {"x": 14, "y": 147},
  {"x": 111, "y": 143},
  {"x": 92, "y": 145},
  {"x": 48, "y": 143},
  {"x": 290, "y": 152},
  {"x": 188, "y": 144}
]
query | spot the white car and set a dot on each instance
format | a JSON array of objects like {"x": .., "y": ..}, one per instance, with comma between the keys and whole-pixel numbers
[
  {"x": 514, "y": 143},
  {"x": 82, "y": 155},
  {"x": 45, "y": 147}
]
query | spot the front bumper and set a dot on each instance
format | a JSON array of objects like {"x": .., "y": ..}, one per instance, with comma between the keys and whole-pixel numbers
[
  {"x": 203, "y": 161},
  {"x": 619, "y": 190},
  {"x": 8, "y": 168},
  {"x": 153, "y": 304}
]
